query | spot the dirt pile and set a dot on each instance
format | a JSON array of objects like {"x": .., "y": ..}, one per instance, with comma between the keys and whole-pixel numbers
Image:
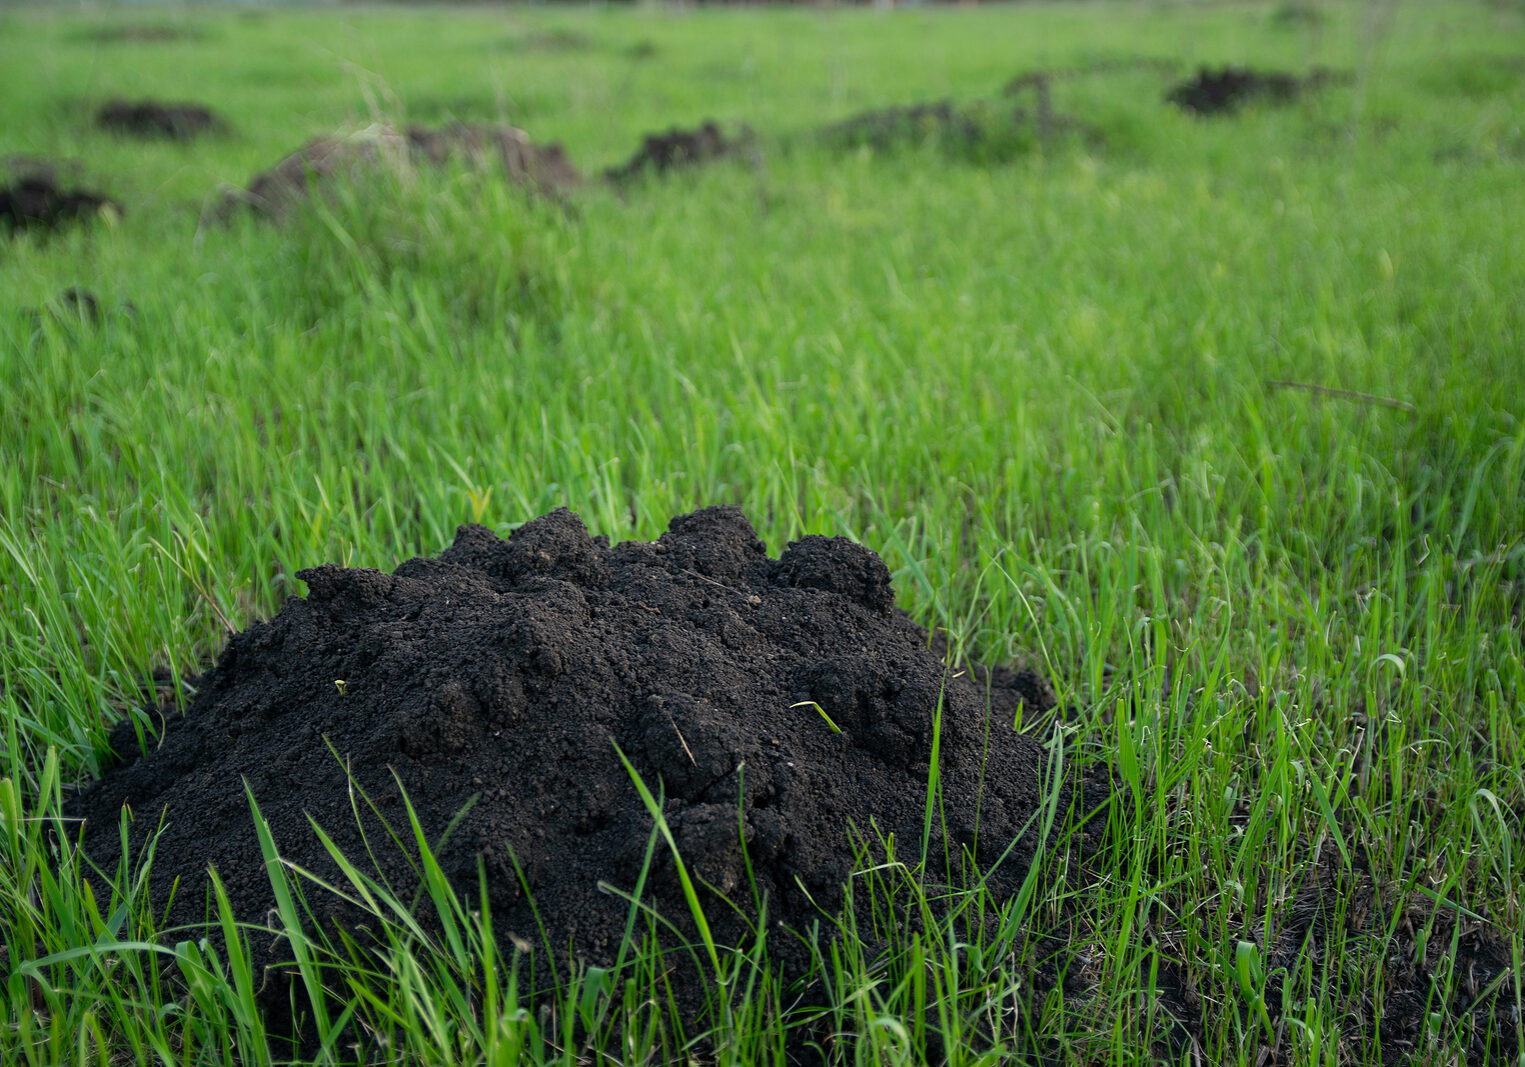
[
  {"x": 980, "y": 132},
  {"x": 153, "y": 118},
  {"x": 1225, "y": 90},
  {"x": 74, "y": 308},
  {"x": 385, "y": 149},
  {"x": 506, "y": 671},
  {"x": 885, "y": 127},
  {"x": 147, "y": 33},
  {"x": 678, "y": 149},
  {"x": 36, "y": 200}
]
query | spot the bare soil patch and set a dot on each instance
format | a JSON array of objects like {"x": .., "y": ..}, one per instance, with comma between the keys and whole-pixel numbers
[{"x": 157, "y": 119}]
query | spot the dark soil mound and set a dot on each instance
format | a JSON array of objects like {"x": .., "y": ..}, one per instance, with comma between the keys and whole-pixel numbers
[
  {"x": 506, "y": 671},
  {"x": 76, "y": 307},
  {"x": 146, "y": 33},
  {"x": 151, "y": 118},
  {"x": 678, "y": 149},
  {"x": 886, "y": 127},
  {"x": 979, "y": 132},
  {"x": 1225, "y": 90},
  {"x": 385, "y": 149},
  {"x": 37, "y": 201},
  {"x": 79, "y": 303}
]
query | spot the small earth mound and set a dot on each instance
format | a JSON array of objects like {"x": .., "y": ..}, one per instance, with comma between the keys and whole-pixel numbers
[
  {"x": 559, "y": 39},
  {"x": 773, "y": 702},
  {"x": 979, "y": 132},
  {"x": 885, "y": 127},
  {"x": 80, "y": 304},
  {"x": 146, "y": 33},
  {"x": 76, "y": 307},
  {"x": 1225, "y": 90},
  {"x": 679, "y": 149},
  {"x": 386, "y": 149},
  {"x": 151, "y": 118},
  {"x": 36, "y": 201}
]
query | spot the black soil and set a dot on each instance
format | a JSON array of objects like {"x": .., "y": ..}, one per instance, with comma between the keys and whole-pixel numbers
[
  {"x": 155, "y": 119},
  {"x": 1226, "y": 89},
  {"x": 678, "y": 149},
  {"x": 36, "y": 201},
  {"x": 505, "y": 672}
]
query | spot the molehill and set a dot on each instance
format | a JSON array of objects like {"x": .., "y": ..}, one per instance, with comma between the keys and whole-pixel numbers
[{"x": 506, "y": 671}]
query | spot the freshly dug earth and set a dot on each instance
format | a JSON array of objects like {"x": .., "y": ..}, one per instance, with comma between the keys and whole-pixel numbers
[
  {"x": 678, "y": 149},
  {"x": 1225, "y": 90},
  {"x": 506, "y": 672},
  {"x": 152, "y": 118},
  {"x": 385, "y": 149},
  {"x": 36, "y": 201}
]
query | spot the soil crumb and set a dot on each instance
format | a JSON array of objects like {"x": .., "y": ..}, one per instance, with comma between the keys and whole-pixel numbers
[
  {"x": 152, "y": 118},
  {"x": 387, "y": 149},
  {"x": 36, "y": 201},
  {"x": 679, "y": 149},
  {"x": 773, "y": 702},
  {"x": 1226, "y": 89}
]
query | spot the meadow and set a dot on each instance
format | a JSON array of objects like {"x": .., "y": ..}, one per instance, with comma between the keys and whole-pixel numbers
[{"x": 1217, "y": 423}]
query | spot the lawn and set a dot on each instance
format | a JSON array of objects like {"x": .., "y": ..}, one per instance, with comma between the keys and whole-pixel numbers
[{"x": 1218, "y": 423}]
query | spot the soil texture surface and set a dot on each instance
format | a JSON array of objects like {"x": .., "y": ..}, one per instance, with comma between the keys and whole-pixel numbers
[
  {"x": 774, "y": 702},
  {"x": 1226, "y": 89},
  {"x": 382, "y": 149},
  {"x": 36, "y": 200},
  {"x": 678, "y": 149},
  {"x": 156, "y": 119}
]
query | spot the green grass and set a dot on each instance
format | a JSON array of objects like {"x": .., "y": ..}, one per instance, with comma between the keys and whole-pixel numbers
[{"x": 1038, "y": 386}]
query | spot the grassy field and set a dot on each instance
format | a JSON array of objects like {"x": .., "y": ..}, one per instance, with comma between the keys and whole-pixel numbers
[{"x": 1042, "y": 386}]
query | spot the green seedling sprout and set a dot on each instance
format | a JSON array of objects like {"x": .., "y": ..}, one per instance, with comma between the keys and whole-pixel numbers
[{"x": 812, "y": 704}]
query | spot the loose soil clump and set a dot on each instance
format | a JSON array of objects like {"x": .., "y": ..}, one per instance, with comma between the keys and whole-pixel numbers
[
  {"x": 381, "y": 149},
  {"x": 152, "y": 118},
  {"x": 1225, "y": 90},
  {"x": 680, "y": 149},
  {"x": 36, "y": 200},
  {"x": 773, "y": 702}
]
